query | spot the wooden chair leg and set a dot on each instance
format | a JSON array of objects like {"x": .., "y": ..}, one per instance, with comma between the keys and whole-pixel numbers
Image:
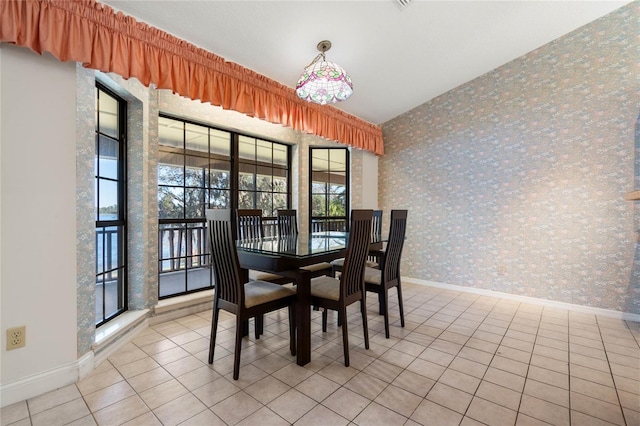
[
  {"x": 214, "y": 331},
  {"x": 365, "y": 327},
  {"x": 385, "y": 312},
  {"x": 292, "y": 331},
  {"x": 324, "y": 320},
  {"x": 381, "y": 297},
  {"x": 400, "y": 304},
  {"x": 259, "y": 325},
  {"x": 345, "y": 336},
  {"x": 236, "y": 355}
]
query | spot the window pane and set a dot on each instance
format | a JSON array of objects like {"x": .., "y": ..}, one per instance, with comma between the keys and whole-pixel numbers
[
  {"x": 265, "y": 202},
  {"x": 170, "y": 132},
  {"x": 219, "y": 199},
  {"x": 264, "y": 183},
  {"x": 280, "y": 185},
  {"x": 263, "y": 152},
  {"x": 279, "y": 202},
  {"x": 320, "y": 160},
  {"x": 220, "y": 142},
  {"x": 245, "y": 181},
  {"x": 170, "y": 202},
  {"x": 108, "y": 199},
  {"x": 337, "y": 205},
  {"x": 280, "y": 155},
  {"x": 196, "y": 138},
  {"x": 319, "y": 187},
  {"x": 219, "y": 175},
  {"x": 194, "y": 203},
  {"x": 194, "y": 175},
  {"x": 108, "y": 115},
  {"x": 338, "y": 160},
  {"x": 247, "y": 148},
  {"x": 245, "y": 199},
  {"x": 107, "y": 158},
  {"x": 318, "y": 207},
  {"x": 170, "y": 169}
]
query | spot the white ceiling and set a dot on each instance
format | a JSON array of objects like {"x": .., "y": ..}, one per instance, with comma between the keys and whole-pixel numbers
[{"x": 398, "y": 58}]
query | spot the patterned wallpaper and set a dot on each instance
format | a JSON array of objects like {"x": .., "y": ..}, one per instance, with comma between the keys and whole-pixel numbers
[{"x": 516, "y": 181}]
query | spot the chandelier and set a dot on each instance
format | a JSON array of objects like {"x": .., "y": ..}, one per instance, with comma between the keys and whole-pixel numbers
[{"x": 323, "y": 81}]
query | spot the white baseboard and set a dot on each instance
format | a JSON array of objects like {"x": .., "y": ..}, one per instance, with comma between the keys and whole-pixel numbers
[
  {"x": 46, "y": 381},
  {"x": 627, "y": 316}
]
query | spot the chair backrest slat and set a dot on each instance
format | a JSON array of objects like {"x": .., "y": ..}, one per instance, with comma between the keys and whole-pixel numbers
[
  {"x": 224, "y": 257},
  {"x": 393, "y": 252},
  {"x": 352, "y": 278},
  {"x": 287, "y": 223},
  {"x": 376, "y": 225},
  {"x": 249, "y": 224}
]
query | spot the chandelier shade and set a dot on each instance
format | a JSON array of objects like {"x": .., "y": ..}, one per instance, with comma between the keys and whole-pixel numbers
[{"x": 323, "y": 81}]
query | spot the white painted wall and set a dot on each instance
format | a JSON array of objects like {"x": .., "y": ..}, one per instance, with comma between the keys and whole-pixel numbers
[{"x": 38, "y": 217}]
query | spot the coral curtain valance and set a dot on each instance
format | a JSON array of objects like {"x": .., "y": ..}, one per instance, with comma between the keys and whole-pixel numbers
[{"x": 91, "y": 33}]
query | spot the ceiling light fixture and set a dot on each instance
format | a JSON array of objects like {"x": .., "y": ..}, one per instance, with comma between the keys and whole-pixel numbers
[{"x": 323, "y": 81}]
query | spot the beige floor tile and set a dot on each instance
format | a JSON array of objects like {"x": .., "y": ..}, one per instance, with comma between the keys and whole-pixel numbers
[
  {"x": 198, "y": 377},
  {"x": 499, "y": 394},
  {"x": 450, "y": 397},
  {"x": 475, "y": 355},
  {"x": 490, "y": 413},
  {"x": 263, "y": 416},
  {"x": 321, "y": 416},
  {"x": 430, "y": 413},
  {"x": 509, "y": 365},
  {"x": 183, "y": 366},
  {"x": 366, "y": 385},
  {"x": 376, "y": 414},
  {"x": 459, "y": 380},
  {"x": 82, "y": 421},
  {"x": 109, "y": 395},
  {"x": 163, "y": 393},
  {"x": 547, "y": 392},
  {"x": 137, "y": 367},
  {"x": 346, "y": 403},
  {"x": 437, "y": 357},
  {"x": 397, "y": 358},
  {"x": 597, "y": 408},
  {"x": 149, "y": 379},
  {"x": 426, "y": 368},
  {"x": 292, "y": 374},
  {"x": 548, "y": 376},
  {"x": 170, "y": 355},
  {"x": 267, "y": 389},
  {"x": 398, "y": 400},
  {"x": 409, "y": 348},
  {"x": 14, "y": 413},
  {"x": 383, "y": 370},
  {"x": 505, "y": 378},
  {"x": 122, "y": 411},
  {"x": 469, "y": 367},
  {"x": 179, "y": 410},
  {"x": 317, "y": 387},
  {"x": 215, "y": 391},
  {"x": 94, "y": 382},
  {"x": 632, "y": 417},
  {"x": 146, "y": 419},
  {"x": 236, "y": 408},
  {"x": 550, "y": 363},
  {"x": 580, "y": 419},
  {"x": 414, "y": 383},
  {"x": 592, "y": 375},
  {"x": 123, "y": 357},
  {"x": 481, "y": 345},
  {"x": 524, "y": 420},
  {"x": 292, "y": 405},
  {"x": 594, "y": 390},
  {"x": 64, "y": 413},
  {"x": 543, "y": 410},
  {"x": 52, "y": 399}
]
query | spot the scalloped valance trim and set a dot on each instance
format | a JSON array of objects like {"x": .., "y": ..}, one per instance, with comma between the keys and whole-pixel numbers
[{"x": 93, "y": 34}]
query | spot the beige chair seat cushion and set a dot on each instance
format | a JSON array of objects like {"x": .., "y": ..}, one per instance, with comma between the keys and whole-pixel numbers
[
  {"x": 259, "y": 292},
  {"x": 326, "y": 288},
  {"x": 262, "y": 276},
  {"x": 317, "y": 267},
  {"x": 372, "y": 275},
  {"x": 340, "y": 263}
]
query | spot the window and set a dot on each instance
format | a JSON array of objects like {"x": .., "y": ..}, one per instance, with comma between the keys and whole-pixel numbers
[
  {"x": 110, "y": 203},
  {"x": 200, "y": 167},
  {"x": 263, "y": 180},
  {"x": 329, "y": 188}
]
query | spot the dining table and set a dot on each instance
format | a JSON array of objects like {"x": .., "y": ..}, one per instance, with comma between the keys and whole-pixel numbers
[{"x": 286, "y": 256}]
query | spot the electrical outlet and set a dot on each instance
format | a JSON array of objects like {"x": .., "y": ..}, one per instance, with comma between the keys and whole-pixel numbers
[{"x": 16, "y": 337}]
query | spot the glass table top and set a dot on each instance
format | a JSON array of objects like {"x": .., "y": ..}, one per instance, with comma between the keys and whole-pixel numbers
[{"x": 298, "y": 246}]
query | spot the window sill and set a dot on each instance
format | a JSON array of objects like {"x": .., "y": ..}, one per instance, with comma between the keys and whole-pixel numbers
[
  {"x": 118, "y": 327},
  {"x": 176, "y": 307}
]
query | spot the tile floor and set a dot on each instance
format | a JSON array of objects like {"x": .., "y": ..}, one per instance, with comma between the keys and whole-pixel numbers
[{"x": 462, "y": 359}]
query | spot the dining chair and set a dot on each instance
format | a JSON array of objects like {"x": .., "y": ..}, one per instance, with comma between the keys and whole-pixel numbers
[
  {"x": 246, "y": 300},
  {"x": 388, "y": 275},
  {"x": 374, "y": 248},
  {"x": 337, "y": 294},
  {"x": 249, "y": 224},
  {"x": 288, "y": 225}
]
